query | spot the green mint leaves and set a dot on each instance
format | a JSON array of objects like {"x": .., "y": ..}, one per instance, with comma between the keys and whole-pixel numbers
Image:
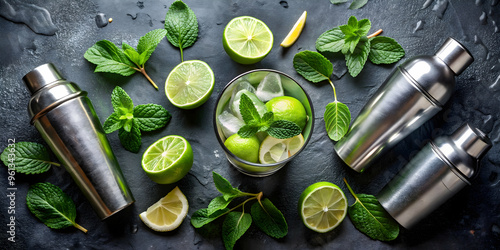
[
  {"x": 356, "y": 4},
  {"x": 263, "y": 213},
  {"x": 369, "y": 217},
  {"x": 127, "y": 60},
  {"x": 315, "y": 67},
  {"x": 52, "y": 206},
  {"x": 130, "y": 120},
  {"x": 182, "y": 26},
  {"x": 27, "y": 158},
  {"x": 280, "y": 129},
  {"x": 352, "y": 40}
]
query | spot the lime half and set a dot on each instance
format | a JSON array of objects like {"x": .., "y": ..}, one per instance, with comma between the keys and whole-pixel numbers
[
  {"x": 322, "y": 206},
  {"x": 168, "y": 213},
  {"x": 168, "y": 159},
  {"x": 247, "y": 40},
  {"x": 189, "y": 84}
]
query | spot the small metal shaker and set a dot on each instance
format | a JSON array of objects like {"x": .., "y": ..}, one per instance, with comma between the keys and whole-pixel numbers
[
  {"x": 65, "y": 117},
  {"x": 441, "y": 169},
  {"x": 413, "y": 93}
]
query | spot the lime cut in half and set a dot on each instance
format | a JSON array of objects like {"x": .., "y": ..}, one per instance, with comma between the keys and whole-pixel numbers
[
  {"x": 322, "y": 206},
  {"x": 168, "y": 213},
  {"x": 168, "y": 160},
  {"x": 190, "y": 84},
  {"x": 247, "y": 40}
]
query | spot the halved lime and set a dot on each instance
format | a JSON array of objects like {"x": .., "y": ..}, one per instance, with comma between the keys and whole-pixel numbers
[
  {"x": 168, "y": 213},
  {"x": 247, "y": 40},
  {"x": 189, "y": 84},
  {"x": 322, "y": 206},
  {"x": 168, "y": 159}
]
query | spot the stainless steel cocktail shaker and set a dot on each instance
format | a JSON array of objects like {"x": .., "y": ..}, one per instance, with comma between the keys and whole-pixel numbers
[
  {"x": 411, "y": 95},
  {"x": 66, "y": 119},
  {"x": 441, "y": 169}
]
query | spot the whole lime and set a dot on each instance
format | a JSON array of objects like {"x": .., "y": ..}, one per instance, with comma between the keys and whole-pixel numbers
[
  {"x": 244, "y": 148},
  {"x": 288, "y": 108}
]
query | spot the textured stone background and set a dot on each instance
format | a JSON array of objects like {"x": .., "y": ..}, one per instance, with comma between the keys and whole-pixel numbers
[{"x": 469, "y": 220}]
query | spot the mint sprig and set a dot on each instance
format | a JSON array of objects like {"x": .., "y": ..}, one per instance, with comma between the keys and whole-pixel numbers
[
  {"x": 266, "y": 216},
  {"x": 127, "y": 60},
  {"x": 27, "y": 158},
  {"x": 130, "y": 120},
  {"x": 182, "y": 26},
  {"x": 280, "y": 129}
]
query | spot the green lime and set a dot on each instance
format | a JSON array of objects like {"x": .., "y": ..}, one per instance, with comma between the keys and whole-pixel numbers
[
  {"x": 247, "y": 40},
  {"x": 189, "y": 84},
  {"x": 244, "y": 148},
  {"x": 168, "y": 159},
  {"x": 322, "y": 206},
  {"x": 288, "y": 108}
]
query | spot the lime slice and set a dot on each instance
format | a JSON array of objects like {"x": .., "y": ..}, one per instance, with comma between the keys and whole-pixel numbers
[
  {"x": 189, "y": 84},
  {"x": 322, "y": 206},
  {"x": 168, "y": 159},
  {"x": 274, "y": 150},
  {"x": 168, "y": 213},
  {"x": 294, "y": 33},
  {"x": 247, "y": 40}
]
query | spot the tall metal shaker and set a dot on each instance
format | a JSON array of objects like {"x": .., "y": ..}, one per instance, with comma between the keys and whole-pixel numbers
[
  {"x": 413, "y": 93},
  {"x": 65, "y": 117},
  {"x": 441, "y": 169}
]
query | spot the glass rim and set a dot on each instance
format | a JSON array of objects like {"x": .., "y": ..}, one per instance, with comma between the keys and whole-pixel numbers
[{"x": 253, "y": 164}]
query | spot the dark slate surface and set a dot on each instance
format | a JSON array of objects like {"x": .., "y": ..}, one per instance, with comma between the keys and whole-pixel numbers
[{"x": 470, "y": 220}]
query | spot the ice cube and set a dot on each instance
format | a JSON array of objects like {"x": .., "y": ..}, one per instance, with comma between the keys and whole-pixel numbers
[
  {"x": 235, "y": 103},
  {"x": 229, "y": 123},
  {"x": 270, "y": 87},
  {"x": 240, "y": 85}
]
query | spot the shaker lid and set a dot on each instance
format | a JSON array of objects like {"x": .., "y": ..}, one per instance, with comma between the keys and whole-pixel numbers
[
  {"x": 41, "y": 76},
  {"x": 455, "y": 55},
  {"x": 472, "y": 141}
]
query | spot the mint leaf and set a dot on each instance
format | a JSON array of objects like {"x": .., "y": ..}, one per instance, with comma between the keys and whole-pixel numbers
[
  {"x": 224, "y": 186},
  {"x": 113, "y": 123},
  {"x": 269, "y": 219},
  {"x": 337, "y": 119},
  {"x": 312, "y": 66},
  {"x": 234, "y": 226},
  {"x": 283, "y": 129},
  {"x": 353, "y": 32},
  {"x": 151, "y": 117},
  {"x": 218, "y": 203},
  {"x": 356, "y": 4},
  {"x": 385, "y": 50},
  {"x": 356, "y": 60},
  {"x": 131, "y": 53},
  {"x": 248, "y": 111},
  {"x": 330, "y": 41},
  {"x": 52, "y": 206},
  {"x": 147, "y": 44},
  {"x": 131, "y": 141},
  {"x": 249, "y": 130},
  {"x": 109, "y": 58},
  {"x": 27, "y": 158},
  {"x": 121, "y": 101},
  {"x": 181, "y": 26},
  {"x": 202, "y": 217},
  {"x": 369, "y": 217}
]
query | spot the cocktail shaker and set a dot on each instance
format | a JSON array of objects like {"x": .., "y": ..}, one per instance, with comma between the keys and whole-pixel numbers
[
  {"x": 65, "y": 117},
  {"x": 441, "y": 169},
  {"x": 413, "y": 93}
]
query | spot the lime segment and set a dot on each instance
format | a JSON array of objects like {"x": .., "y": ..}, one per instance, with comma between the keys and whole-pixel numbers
[
  {"x": 294, "y": 33},
  {"x": 274, "y": 150},
  {"x": 168, "y": 213}
]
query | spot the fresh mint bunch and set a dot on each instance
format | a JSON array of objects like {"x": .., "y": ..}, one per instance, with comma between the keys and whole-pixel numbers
[
  {"x": 27, "y": 158},
  {"x": 316, "y": 68},
  {"x": 352, "y": 40},
  {"x": 280, "y": 129},
  {"x": 356, "y": 4},
  {"x": 182, "y": 26},
  {"x": 263, "y": 213},
  {"x": 127, "y": 60},
  {"x": 369, "y": 217},
  {"x": 130, "y": 120}
]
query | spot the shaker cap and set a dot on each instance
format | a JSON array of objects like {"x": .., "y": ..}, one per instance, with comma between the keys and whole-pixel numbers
[
  {"x": 472, "y": 140},
  {"x": 455, "y": 55},
  {"x": 41, "y": 76}
]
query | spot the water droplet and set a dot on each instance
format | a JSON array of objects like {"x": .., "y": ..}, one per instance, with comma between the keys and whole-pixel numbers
[
  {"x": 483, "y": 19},
  {"x": 134, "y": 17},
  {"x": 37, "y": 18},
  {"x": 134, "y": 229},
  {"x": 216, "y": 153},
  {"x": 440, "y": 8},
  {"x": 427, "y": 3},
  {"x": 101, "y": 20},
  {"x": 495, "y": 25},
  {"x": 419, "y": 26},
  {"x": 479, "y": 2},
  {"x": 140, "y": 5},
  {"x": 477, "y": 40},
  {"x": 494, "y": 2},
  {"x": 284, "y": 4},
  {"x": 495, "y": 83}
]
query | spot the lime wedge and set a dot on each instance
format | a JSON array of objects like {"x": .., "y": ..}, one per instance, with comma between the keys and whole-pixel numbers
[
  {"x": 322, "y": 206},
  {"x": 274, "y": 150},
  {"x": 189, "y": 84},
  {"x": 294, "y": 33},
  {"x": 168, "y": 159},
  {"x": 168, "y": 213},
  {"x": 247, "y": 40}
]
